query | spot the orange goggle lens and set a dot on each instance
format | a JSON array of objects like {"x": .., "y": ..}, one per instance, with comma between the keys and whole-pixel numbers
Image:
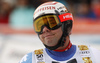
[{"x": 48, "y": 20}]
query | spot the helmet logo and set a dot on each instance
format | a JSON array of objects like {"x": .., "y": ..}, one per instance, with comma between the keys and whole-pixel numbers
[
  {"x": 45, "y": 8},
  {"x": 62, "y": 10},
  {"x": 65, "y": 17}
]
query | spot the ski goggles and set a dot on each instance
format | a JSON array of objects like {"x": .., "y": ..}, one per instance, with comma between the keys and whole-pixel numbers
[{"x": 51, "y": 21}]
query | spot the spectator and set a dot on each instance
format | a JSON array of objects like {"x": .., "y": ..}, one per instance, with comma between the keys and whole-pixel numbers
[
  {"x": 84, "y": 11},
  {"x": 82, "y": 8},
  {"x": 95, "y": 5},
  {"x": 5, "y": 9},
  {"x": 21, "y": 16}
]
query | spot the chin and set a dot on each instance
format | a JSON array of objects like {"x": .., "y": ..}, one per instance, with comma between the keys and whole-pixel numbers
[{"x": 50, "y": 45}]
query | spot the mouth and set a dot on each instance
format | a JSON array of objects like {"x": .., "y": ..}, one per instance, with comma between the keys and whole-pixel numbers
[{"x": 49, "y": 35}]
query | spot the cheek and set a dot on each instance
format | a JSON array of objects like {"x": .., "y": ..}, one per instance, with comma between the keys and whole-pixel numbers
[
  {"x": 41, "y": 37},
  {"x": 58, "y": 32}
]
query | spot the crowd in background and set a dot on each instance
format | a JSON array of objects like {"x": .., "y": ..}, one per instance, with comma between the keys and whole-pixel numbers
[{"x": 19, "y": 13}]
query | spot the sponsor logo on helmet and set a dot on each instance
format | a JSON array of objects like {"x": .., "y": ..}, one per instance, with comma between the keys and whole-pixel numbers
[
  {"x": 45, "y": 8},
  {"x": 67, "y": 16}
]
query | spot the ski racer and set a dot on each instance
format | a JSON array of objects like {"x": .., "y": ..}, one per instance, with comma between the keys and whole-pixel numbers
[{"x": 53, "y": 24}]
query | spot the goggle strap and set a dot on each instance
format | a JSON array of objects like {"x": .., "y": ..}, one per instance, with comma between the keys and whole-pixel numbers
[{"x": 65, "y": 17}]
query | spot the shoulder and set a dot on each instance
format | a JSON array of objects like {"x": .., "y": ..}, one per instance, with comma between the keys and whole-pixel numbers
[
  {"x": 27, "y": 58},
  {"x": 94, "y": 50},
  {"x": 96, "y": 54}
]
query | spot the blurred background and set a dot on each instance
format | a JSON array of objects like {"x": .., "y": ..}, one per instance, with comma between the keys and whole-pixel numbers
[{"x": 17, "y": 36}]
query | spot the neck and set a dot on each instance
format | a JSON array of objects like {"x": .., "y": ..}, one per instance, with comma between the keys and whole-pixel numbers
[{"x": 62, "y": 56}]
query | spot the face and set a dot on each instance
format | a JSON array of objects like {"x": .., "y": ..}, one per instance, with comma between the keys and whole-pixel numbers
[{"x": 50, "y": 37}]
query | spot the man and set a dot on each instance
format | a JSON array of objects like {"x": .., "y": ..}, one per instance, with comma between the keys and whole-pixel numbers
[{"x": 53, "y": 24}]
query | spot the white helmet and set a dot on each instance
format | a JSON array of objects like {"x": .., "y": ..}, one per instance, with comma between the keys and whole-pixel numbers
[{"x": 50, "y": 7}]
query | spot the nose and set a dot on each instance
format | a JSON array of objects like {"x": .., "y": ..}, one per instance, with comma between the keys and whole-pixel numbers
[{"x": 45, "y": 29}]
